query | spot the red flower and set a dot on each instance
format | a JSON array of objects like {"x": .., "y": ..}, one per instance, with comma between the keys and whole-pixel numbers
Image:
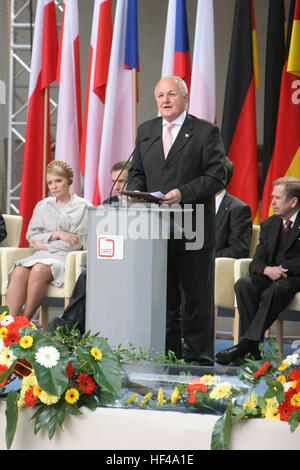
[
  {"x": 295, "y": 374},
  {"x": 69, "y": 370},
  {"x": 262, "y": 370},
  {"x": 86, "y": 383},
  {"x": 13, "y": 330},
  {"x": 3, "y": 368},
  {"x": 30, "y": 398},
  {"x": 22, "y": 368},
  {"x": 192, "y": 387}
]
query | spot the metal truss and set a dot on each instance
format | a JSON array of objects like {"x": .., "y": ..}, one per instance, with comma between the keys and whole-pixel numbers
[{"x": 21, "y": 29}]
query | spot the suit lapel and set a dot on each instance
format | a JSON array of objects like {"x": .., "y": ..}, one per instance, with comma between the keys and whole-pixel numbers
[
  {"x": 295, "y": 232},
  {"x": 274, "y": 235},
  {"x": 182, "y": 138}
]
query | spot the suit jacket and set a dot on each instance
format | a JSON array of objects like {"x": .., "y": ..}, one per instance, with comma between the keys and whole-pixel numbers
[
  {"x": 233, "y": 228},
  {"x": 3, "y": 233},
  {"x": 195, "y": 165},
  {"x": 266, "y": 248}
]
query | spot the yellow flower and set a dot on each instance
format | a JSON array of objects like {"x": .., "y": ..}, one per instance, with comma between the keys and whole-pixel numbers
[
  {"x": 283, "y": 366},
  {"x": 251, "y": 402},
  {"x": 207, "y": 379},
  {"x": 281, "y": 379},
  {"x": 271, "y": 411},
  {"x": 222, "y": 390},
  {"x": 21, "y": 403},
  {"x": 37, "y": 390},
  {"x": 295, "y": 400},
  {"x": 32, "y": 325},
  {"x": 26, "y": 342},
  {"x": 131, "y": 399},
  {"x": 146, "y": 399},
  {"x": 3, "y": 332},
  {"x": 294, "y": 384},
  {"x": 96, "y": 353},
  {"x": 3, "y": 315},
  {"x": 71, "y": 396},
  {"x": 175, "y": 396},
  {"x": 160, "y": 397},
  {"x": 6, "y": 357},
  {"x": 44, "y": 397},
  {"x": 27, "y": 382}
]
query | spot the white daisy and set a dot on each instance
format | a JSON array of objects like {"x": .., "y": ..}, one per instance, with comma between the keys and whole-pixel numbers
[
  {"x": 1, "y": 345},
  {"x": 47, "y": 356},
  {"x": 7, "y": 320},
  {"x": 292, "y": 359}
]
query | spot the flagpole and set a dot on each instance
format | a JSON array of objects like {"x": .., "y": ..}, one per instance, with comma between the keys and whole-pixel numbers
[
  {"x": 45, "y": 142},
  {"x": 134, "y": 99}
]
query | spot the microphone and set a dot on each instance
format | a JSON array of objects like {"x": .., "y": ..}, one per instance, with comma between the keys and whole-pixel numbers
[
  {"x": 142, "y": 156},
  {"x": 117, "y": 179}
]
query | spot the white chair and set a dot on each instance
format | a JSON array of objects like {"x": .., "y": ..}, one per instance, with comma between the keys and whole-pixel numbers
[{"x": 225, "y": 278}]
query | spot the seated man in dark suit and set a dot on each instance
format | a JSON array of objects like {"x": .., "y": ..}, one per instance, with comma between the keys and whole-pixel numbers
[
  {"x": 233, "y": 223},
  {"x": 274, "y": 273}
]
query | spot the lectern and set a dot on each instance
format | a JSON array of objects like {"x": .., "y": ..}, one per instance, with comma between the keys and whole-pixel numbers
[{"x": 127, "y": 274}]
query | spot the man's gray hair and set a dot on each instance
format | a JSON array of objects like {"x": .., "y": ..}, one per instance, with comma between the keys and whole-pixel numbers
[
  {"x": 181, "y": 83},
  {"x": 292, "y": 186}
]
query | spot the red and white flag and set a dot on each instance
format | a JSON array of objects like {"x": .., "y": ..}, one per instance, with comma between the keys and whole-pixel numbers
[
  {"x": 42, "y": 74},
  {"x": 202, "y": 103},
  {"x": 100, "y": 47},
  {"x": 68, "y": 128},
  {"x": 118, "y": 131}
]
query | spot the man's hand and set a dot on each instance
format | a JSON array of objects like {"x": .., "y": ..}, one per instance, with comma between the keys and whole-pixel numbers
[
  {"x": 172, "y": 197},
  {"x": 275, "y": 272}
]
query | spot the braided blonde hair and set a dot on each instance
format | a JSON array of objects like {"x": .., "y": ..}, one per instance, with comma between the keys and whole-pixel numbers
[{"x": 61, "y": 168}]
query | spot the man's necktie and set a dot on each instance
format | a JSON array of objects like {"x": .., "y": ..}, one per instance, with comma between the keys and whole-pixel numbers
[
  {"x": 168, "y": 138},
  {"x": 288, "y": 225}
]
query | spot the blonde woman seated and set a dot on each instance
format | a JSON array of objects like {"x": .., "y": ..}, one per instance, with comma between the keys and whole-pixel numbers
[{"x": 58, "y": 225}]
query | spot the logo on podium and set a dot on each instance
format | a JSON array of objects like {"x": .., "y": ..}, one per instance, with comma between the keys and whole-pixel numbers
[{"x": 109, "y": 247}]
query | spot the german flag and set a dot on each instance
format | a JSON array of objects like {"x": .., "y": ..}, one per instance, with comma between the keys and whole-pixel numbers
[
  {"x": 275, "y": 57},
  {"x": 286, "y": 155},
  {"x": 239, "y": 114}
]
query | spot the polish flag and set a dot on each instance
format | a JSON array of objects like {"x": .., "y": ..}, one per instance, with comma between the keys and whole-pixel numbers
[
  {"x": 176, "y": 56},
  {"x": 119, "y": 130},
  {"x": 42, "y": 74},
  {"x": 100, "y": 47},
  {"x": 68, "y": 128},
  {"x": 202, "y": 103}
]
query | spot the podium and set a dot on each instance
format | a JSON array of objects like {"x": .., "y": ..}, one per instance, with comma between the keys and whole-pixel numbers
[{"x": 127, "y": 274}]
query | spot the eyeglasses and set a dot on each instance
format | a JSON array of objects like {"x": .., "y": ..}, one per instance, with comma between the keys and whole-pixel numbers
[{"x": 169, "y": 94}]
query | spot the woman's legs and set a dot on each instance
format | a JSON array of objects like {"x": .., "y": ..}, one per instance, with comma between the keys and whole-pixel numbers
[
  {"x": 40, "y": 276},
  {"x": 27, "y": 286},
  {"x": 17, "y": 290}
]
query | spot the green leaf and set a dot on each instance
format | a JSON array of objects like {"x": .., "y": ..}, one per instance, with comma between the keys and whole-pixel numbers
[
  {"x": 107, "y": 372},
  {"x": 11, "y": 413},
  {"x": 293, "y": 420},
  {"x": 221, "y": 431}
]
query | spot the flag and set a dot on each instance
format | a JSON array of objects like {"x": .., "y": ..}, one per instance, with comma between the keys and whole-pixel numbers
[
  {"x": 202, "y": 103},
  {"x": 239, "y": 113},
  {"x": 99, "y": 55},
  {"x": 118, "y": 123},
  {"x": 176, "y": 57},
  {"x": 275, "y": 55},
  {"x": 68, "y": 125},
  {"x": 42, "y": 74},
  {"x": 286, "y": 155}
]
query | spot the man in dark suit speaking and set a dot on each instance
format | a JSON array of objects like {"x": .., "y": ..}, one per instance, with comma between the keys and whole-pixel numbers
[
  {"x": 274, "y": 275},
  {"x": 183, "y": 157},
  {"x": 233, "y": 223}
]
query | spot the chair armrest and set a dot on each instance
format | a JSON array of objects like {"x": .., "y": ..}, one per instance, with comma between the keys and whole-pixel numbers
[
  {"x": 241, "y": 268},
  {"x": 224, "y": 282},
  {"x": 81, "y": 258},
  {"x": 8, "y": 257},
  {"x": 69, "y": 281}
]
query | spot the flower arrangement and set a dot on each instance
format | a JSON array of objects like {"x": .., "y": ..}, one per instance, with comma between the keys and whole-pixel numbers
[
  {"x": 280, "y": 379},
  {"x": 54, "y": 379}
]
